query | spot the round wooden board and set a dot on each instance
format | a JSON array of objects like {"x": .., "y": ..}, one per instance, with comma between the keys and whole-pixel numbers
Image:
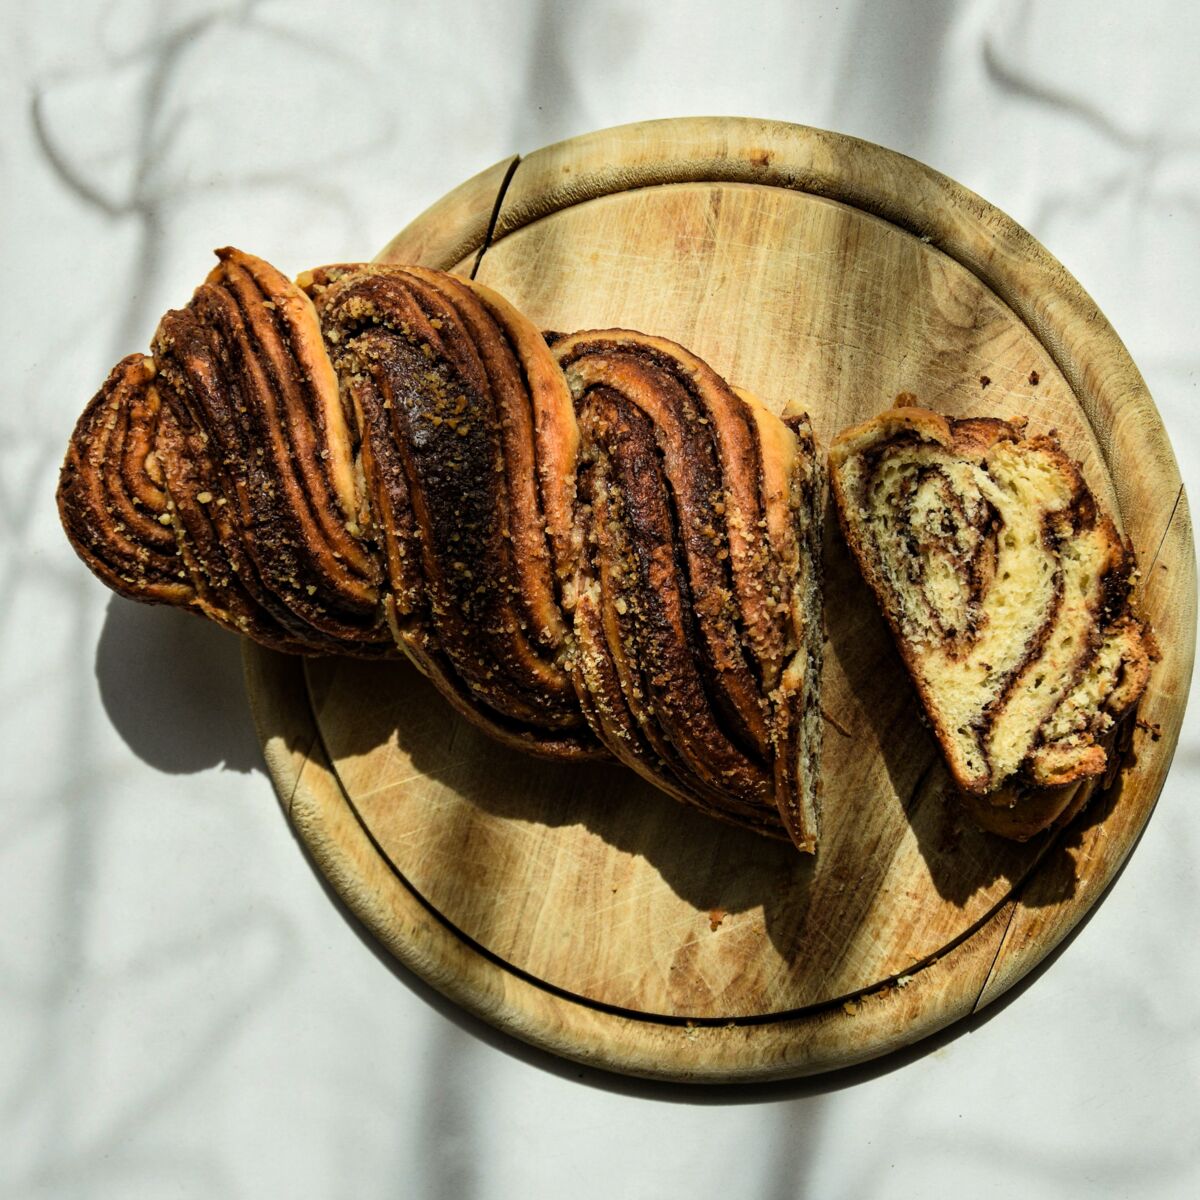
[{"x": 577, "y": 908}]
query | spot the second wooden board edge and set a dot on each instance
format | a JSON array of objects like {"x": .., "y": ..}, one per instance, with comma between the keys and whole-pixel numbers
[{"x": 867, "y": 1026}]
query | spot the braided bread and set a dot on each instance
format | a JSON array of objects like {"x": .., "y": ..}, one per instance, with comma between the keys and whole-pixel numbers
[
  {"x": 589, "y": 546},
  {"x": 1007, "y": 590}
]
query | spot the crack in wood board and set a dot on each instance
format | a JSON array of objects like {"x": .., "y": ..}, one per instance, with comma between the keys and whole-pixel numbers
[
  {"x": 308, "y": 752},
  {"x": 918, "y": 787},
  {"x": 1014, "y": 897},
  {"x": 1167, "y": 527},
  {"x": 496, "y": 207}
]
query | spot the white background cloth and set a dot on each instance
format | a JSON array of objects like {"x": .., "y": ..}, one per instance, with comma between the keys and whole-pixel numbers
[{"x": 184, "y": 1011}]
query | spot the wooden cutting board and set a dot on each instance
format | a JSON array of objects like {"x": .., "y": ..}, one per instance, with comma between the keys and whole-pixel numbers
[{"x": 577, "y": 908}]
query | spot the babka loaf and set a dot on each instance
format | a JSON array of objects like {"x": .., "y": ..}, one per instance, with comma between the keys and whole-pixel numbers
[
  {"x": 1007, "y": 590},
  {"x": 382, "y": 457}
]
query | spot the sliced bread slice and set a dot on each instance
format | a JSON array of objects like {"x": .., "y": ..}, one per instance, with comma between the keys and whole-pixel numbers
[{"x": 1007, "y": 590}]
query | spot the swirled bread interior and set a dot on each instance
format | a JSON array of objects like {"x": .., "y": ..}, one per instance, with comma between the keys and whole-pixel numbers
[{"x": 1007, "y": 590}]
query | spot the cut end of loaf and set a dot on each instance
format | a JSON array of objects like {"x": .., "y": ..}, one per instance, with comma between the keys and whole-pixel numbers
[
  {"x": 1008, "y": 592},
  {"x": 697, "y": 590}
]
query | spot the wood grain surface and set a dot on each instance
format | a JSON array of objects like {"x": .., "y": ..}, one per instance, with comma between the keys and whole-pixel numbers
[{"x": 576, "y": 907}]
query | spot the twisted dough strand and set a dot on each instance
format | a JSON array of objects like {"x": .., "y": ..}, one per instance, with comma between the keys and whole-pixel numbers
[{"x": 464, "y": 415}]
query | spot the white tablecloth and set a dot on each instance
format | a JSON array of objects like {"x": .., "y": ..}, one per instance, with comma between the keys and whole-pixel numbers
[{"x": 183, "y": 1009}]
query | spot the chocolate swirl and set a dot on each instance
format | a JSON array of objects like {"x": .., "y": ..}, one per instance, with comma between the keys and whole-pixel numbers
[
  {"x": 379, "y": 457},
  {"x": 1008, "y": 592}
]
